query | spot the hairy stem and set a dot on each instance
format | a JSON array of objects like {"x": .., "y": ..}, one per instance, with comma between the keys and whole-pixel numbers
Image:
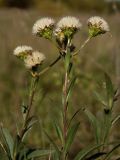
[
  {"x": 31, "y": 97},
  {"x": 30, "y": 102},
  {"x": 65, "y": 105},
  {"x": 67, "y": 61}
]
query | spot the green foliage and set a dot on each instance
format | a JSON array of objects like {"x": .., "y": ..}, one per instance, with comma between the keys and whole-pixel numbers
[
  {"x": 58, "y": 131},
  {"x": 39, "y": 153},
  {"x": 57, "y": 151},
  {"x": 109, "y": 90},
  {"x": 95, "y": 124},
  {"x": 70, "y": 136},
  {"x": 9, "y": 143},
  {"x": 85, "y": 152}
]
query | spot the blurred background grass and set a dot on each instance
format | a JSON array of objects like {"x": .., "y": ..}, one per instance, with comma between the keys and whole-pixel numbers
[{"x": 101, "y": 54}]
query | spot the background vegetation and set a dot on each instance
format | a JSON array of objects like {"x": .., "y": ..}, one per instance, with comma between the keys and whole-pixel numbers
[
  {"x": 84, "y": 5},
  {"x": 101, "y": 54}
]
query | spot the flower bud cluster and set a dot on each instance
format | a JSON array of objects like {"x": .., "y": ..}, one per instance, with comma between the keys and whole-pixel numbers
[
  {"x": 32, "y": 59},
  {"x": 97, "y": 26}
]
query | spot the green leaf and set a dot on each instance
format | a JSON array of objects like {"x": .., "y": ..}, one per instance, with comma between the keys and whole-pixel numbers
[
  {"x": 110, "y": 90},
  {"x": 70, "y": 87},
  {"x": 29, "y": 124},
  {"x": 8, "y": 140},
  {"x": 23, "y": 153},
  {"x": 67, "y": 60},
  {"x": 74, "y": 115},
  {"x": 95, "y": 124},
  {"x": 55, "y": 156},
  {"x": 85, "y": 152},
  {"x": 70, "y": 136},
  {"x": 100, "y": 98},
  {"x": 53, "y": 143},
  {"x": 39, "y": 153},
  {"x": 58, "y": 131},
  {"x": 107, "y": 124},
  {"x": 31, "y": 121},
  {"x": 17, "y": 144}
]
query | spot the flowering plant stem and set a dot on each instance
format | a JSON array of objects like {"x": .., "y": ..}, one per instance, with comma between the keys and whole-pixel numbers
[
  {"x": 66, "y": 89},
  {"x": 67, "y": 61},
  {"x": 34, "y": 82}
]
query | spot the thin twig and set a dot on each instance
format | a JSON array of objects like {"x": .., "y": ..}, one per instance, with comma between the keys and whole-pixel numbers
[
  {"x": 52, "y": 64},
  {"x": 82, "y": 46}
]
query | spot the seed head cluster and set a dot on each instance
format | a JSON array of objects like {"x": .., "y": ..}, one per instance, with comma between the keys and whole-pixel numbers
[
  {"x": 66, "y": 28},
  {"x": 35, "y": 59},
  {"x": 43, "y": 25},
  {"x": 63, "y": 33},
  {"x": 22, "y": 50},
  {"x": 98, "y": 25},
  {"x": 69, "y": 22}
]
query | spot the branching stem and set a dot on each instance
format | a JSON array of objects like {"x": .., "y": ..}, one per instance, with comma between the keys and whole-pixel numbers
[{"x": 82, "y": 46}]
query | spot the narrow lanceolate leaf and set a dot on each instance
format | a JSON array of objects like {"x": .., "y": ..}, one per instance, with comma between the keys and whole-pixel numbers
[
  {"x": 8, "y": 140},
  {"x": 53, "y": 143},
  {"x": 31, "y": 121},
  {"x": 85, "y": 152},
  {"x": 73, "y": 116},
  {"x": 39, "y": 153},
  {"x": 110, "y": 90},
  {"x": 71, "y": 87},
  {"x": 100, "y": 98},
  {"x": 107, "y": 157},
  {"x": 23, "y": 153},
  {"x": 58, "y": 131},
  {"x": 70, "y": 136},
  {"x": 95, "y": 124},
  {"x": 29, "y": 124}
]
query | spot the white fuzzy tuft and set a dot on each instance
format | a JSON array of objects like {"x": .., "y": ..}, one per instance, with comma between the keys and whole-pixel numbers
[
  {"x": 22, "y": 49},
  {"x": 35, "y": 59},
  {"x": 99, "y": 23},
  {"x": 41, "y": 24},
  {"x": 70, "y": 22}
]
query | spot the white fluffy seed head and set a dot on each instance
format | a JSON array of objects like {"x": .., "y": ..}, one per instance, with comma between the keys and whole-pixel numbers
[
  {"x": 21, "y": 50},
  {"x": 41, "y": 24},
  {"x": 66, "y": 28},
  {"x": 69, "y": 22},
  {"x": 98, "y": 23},
  {"x": 36, "y": 58}
]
